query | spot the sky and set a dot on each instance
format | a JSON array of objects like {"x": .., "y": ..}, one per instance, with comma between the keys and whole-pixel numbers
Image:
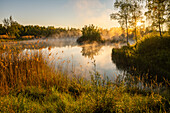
[{"x": 59, "y": 13}]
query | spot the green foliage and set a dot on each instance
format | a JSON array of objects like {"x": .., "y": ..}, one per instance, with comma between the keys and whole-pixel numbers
[
  {"x": 123, "y": 15},
  {"x": 136, "y": 17},
  {"x": 106, "y": 99},
  {"x": 157, "y": 11},
  {"x": 14, "y": 29},
  {"x": 129, "y": 13},
  {"x": 150, "y": 56},
  {"x": 2, "y": 30},
  {"x": 90, "y": 34}
]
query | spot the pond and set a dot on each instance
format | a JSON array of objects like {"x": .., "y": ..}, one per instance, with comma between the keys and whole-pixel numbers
[{"x": 67, "y": 55}]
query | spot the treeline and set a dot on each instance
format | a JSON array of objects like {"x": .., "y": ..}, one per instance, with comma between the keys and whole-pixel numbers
[{"x": 13, "y": 29}]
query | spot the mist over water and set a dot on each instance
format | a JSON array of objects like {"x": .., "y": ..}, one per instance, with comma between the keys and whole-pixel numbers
[{"x": 67, "y": 56}]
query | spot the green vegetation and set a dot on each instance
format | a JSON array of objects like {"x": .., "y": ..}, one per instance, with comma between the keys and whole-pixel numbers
[
  {"x": 129, "y": 14},
  {"x": 14, "y": 39},
  {"x": 158, "y": 13},
  {"x": 29, "y": 85},
  {"x": 123, "y": 16},
  {"x": 40, "y": 100},
  {"x": 90, "y": 34},
  {"x": 14, "y": 30},
  {"x": 150, "y": 56}
]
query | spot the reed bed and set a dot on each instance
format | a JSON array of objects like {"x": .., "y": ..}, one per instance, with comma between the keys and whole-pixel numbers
[{"x": 30, "y": 70}]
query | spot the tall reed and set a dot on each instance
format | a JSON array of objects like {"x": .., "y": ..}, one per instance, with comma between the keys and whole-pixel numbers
[{"x": 18, "y": 71}]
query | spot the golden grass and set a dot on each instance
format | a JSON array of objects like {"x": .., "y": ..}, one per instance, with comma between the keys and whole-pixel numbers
[{"x": 31, "y": 70}]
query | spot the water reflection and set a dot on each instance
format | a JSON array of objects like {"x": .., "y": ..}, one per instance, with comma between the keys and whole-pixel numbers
[
  {"x": 67, "y": 56},
  {"x": 91, "y": 50},
  {"x": 40, "y": 43},
  {"x": 122, "y": 63}
]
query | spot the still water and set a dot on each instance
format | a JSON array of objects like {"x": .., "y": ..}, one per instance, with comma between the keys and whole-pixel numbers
[{"x": 67, "y": 55}]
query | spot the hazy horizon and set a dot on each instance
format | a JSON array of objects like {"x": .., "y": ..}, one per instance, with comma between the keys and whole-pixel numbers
[{"x": 59, "y": 13}]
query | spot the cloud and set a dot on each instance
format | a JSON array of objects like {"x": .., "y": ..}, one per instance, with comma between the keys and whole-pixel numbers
[
  {"x": 88, "y": 8},
  {"x": 94, "y": 12},
  {"x": 103, "y": 20}
]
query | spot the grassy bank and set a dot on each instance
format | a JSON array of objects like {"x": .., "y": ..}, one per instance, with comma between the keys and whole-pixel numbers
[
  {"x": 6, "y": 38},
  {"x": 97, "y": 100},
  {"x": 14, "y": 39},
  {"x": 28, "y": 84},
  {"x": 149, "y": 56}
]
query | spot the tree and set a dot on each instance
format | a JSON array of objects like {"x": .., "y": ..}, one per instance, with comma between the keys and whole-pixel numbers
[
  {"x": 90, "y": 34},
  {"x": 136, "y": 16},
  {"x": 2, "y": 30},
  {"x": 168, "y": 16},
  {"x": 123, "y": 15},
  {"x": 157, "y": 12},
  {"x": 12, "y": 27},
  {"x": 51, "y": 30}
]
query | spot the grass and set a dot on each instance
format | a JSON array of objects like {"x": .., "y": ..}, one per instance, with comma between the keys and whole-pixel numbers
[
  {"x": 29, "y": 84},
  {"x": 35, "y": 99},
  {"x": 14, "y": 39}
]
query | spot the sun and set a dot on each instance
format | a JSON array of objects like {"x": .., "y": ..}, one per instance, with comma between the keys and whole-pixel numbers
[{"x": 139, "y": 23}]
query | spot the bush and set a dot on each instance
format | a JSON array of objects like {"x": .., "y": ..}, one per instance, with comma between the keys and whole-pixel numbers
[
  {"x": 90, "y": 34},
  {"x": 150, "y": 56}
]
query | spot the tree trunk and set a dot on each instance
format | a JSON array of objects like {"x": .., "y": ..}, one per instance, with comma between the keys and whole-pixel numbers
[
  {"x": 159, "y": 20},
  {"x": 135, "y": 32},
  {"x": 160, "y": 30},
  {"x": 127, "y": 33},
  {"x": 127, "y": 37}
]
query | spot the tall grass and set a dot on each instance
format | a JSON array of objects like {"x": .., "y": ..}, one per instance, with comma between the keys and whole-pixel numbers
[{"x": 31, "y": 70}]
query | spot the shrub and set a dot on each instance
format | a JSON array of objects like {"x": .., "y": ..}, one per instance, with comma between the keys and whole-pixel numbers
[
  {"x": 90, "y": 34},
  {"x": 150, "y": 56}
]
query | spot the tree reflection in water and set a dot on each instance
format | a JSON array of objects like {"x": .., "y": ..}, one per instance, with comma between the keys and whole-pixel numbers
[{"x": 91, "y": 50}]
